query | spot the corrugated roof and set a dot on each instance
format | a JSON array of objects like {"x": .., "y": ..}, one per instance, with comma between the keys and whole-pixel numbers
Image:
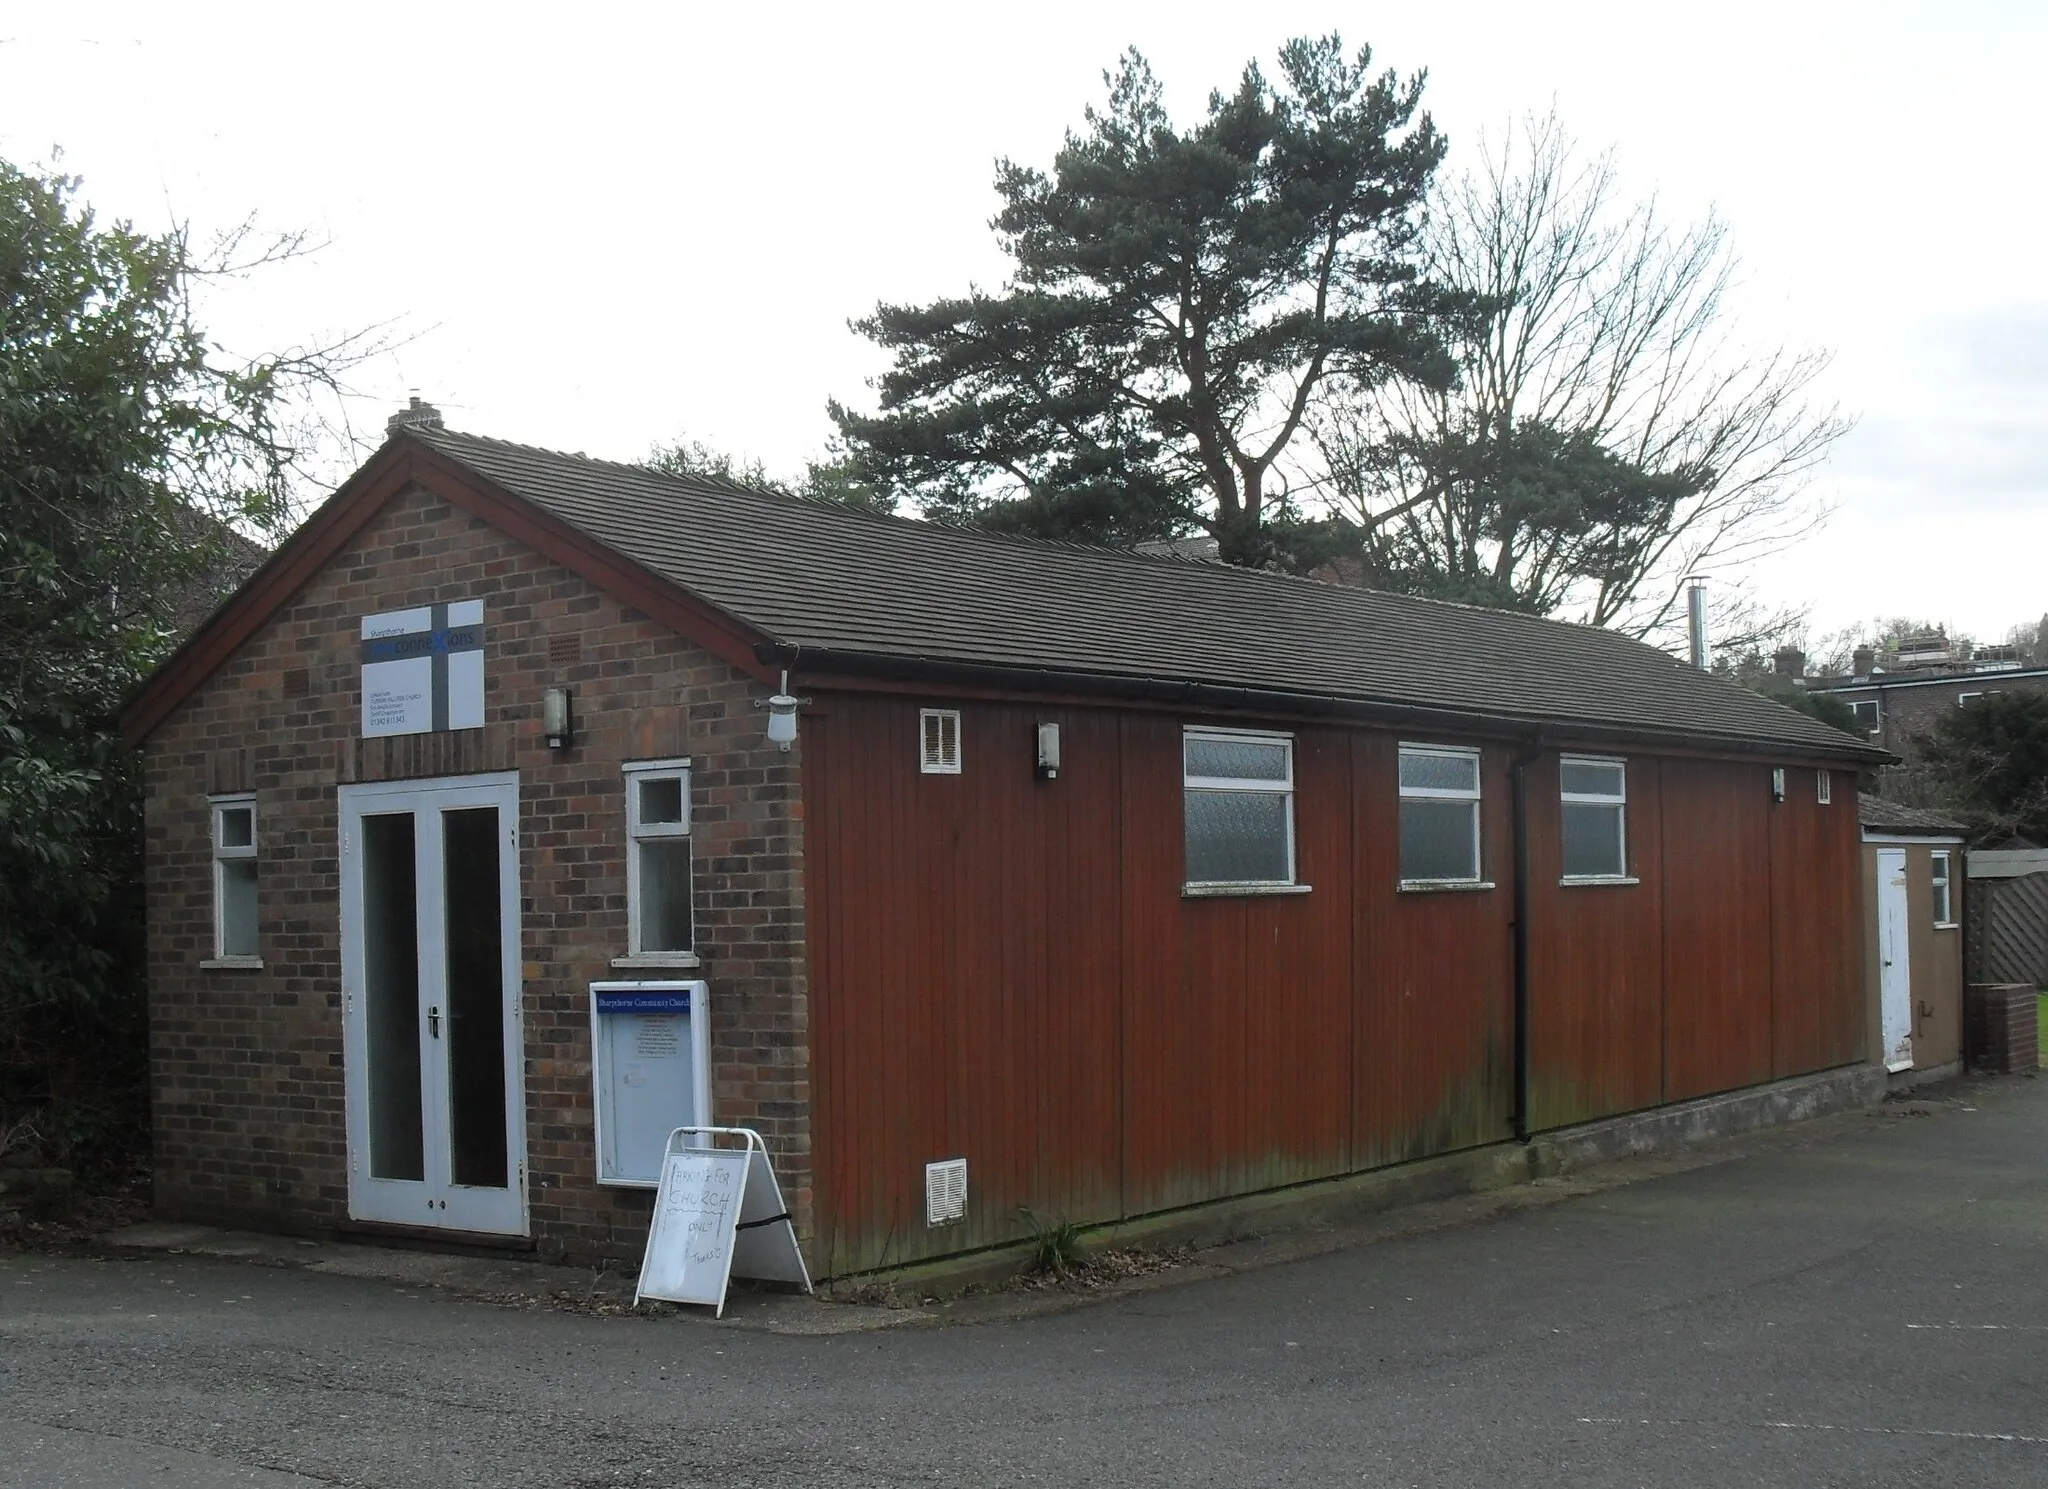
[{"x": 838, "y": 580}]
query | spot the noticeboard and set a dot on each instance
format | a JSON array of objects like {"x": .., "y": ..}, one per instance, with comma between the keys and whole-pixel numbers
[
  {"x": 650, "y": 1071},
  {"x": 718, "y": 1214}
]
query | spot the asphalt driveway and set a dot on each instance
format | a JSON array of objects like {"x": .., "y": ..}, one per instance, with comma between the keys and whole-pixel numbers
[{"x": 1863, "y": 1305}]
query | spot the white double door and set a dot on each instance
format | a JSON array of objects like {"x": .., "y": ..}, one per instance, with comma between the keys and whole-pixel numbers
[{"x": 431, "y": 1039}]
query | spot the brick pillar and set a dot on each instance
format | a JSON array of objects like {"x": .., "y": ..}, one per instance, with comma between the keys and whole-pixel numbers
[{"x": 1999, "y": 1032}]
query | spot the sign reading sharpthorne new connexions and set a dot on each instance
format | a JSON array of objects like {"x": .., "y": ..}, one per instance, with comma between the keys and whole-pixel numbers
[{"x": 423, "y": 670}]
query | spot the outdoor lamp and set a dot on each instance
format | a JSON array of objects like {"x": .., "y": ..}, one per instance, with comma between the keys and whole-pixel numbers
[
  {"x": 558, "y": 718},
  {"x": 782, "y": 707}
]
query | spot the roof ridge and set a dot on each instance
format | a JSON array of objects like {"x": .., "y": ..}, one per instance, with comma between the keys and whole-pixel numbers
[
  {"x": 1328, "y": 609},
  {"x": 813, "y": 503},
  {"x": 1238, "y": 572}
]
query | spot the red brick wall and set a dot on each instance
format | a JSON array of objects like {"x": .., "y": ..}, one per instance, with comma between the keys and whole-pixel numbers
[
  {"x": 249, "y": 1103},
  {"x": 2000, "y": 1027}
]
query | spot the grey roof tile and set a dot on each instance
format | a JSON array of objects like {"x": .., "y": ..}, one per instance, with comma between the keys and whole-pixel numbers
[
  {"x": 1890, "y": 816},
  {"x": 835, "y": 579}
]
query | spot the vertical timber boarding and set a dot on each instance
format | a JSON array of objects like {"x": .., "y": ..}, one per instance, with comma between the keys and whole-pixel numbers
[{"x": 1006, "y": 970}]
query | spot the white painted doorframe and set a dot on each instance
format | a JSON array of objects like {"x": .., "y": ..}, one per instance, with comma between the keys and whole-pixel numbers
[
  {"x": 1895, "y": 965},
  {"x": 395, "y": 1177}
]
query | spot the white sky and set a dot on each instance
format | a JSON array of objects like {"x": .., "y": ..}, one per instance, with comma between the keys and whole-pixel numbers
[{"x": 607, "y": 225}]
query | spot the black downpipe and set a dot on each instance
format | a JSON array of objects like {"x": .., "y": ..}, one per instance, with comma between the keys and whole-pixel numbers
[{"x": 1518, "y": 777}]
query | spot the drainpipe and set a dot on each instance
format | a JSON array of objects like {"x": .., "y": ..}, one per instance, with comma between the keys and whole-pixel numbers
[{"x": 1518, "y": 776}]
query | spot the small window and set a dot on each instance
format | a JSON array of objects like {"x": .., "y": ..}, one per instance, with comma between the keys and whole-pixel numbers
[
  {"x": 234, "y": 877},
  {"x": 1823, "y": 787},
  {"x": 1239, "y": 789},
  {"x": 1868, "y": 714},
  {"x": 1439, "y": 815},
  {"x": 1938, "y": 877},
  {"x": 1594, "y": 805},
  {"x": 1964, "y": 700},
  {"x": 658, "y": 898},
  {"x": 938, "y": 741}
]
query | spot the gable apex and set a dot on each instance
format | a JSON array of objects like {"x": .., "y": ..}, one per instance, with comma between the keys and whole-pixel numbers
[{"x": 403, "y": 461}]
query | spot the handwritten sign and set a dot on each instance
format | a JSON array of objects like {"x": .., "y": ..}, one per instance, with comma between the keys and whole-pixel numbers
[
  {"x": 696, "y": 1215},
  {"x": 718, "y": 1214}
]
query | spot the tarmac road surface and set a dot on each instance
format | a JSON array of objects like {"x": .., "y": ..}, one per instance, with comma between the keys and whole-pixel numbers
[{"x": 1867, "y": 1306}]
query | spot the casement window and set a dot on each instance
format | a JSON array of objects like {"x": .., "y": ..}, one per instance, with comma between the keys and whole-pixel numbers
[
  {"x": 234, "y": 877},
  {"x": 1239, "y": 791},
  {"x": 1439, "y": 816},
  {"x": 658, "y": 858},
  {"x": 1823, "y": 787},
  {"x": 1868, "y": 713},
  {"x": 1938, "y": 867},
  {"x": 1964, "y": 700},
  {"x": 1593, "y": 801},
  {"x": 938, "y": 741}
]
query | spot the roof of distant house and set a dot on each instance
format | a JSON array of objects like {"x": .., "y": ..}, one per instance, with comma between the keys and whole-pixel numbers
[
  {"x": 822, "y": 587},
  {"x": 1890, "y": 816}
]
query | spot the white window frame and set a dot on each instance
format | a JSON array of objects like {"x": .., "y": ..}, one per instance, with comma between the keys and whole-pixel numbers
[
  {"x": 1476, "y": 796},
  {"x": 217, "y": 809},
  {"x": 1945, "y": 882},
  {"x": 943, "y": 716},
  {"x": 1240, "y": 785},
  {"x": 1876, "y": 725},
  {"x": 1584, "y": 798},
  {"x": 1824, "y": 787},
  {"x": 637, "y": 832}
]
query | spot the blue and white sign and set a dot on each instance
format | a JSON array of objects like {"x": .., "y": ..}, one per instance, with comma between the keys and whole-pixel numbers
[
  {"x": 423, "y": 669},
  {"x": 650, "y": 1072}
]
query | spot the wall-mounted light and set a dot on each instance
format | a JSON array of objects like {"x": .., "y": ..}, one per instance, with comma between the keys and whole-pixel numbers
[
  {"x": 1778, "y": 783},
  {"x": 782, "y": 706},
  {"x": 1048, "y": 752},
  {"x": 558, "y": 718}
]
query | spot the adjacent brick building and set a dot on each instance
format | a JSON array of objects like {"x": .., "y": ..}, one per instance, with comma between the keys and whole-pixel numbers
[
  {"x": 1897, "y": 706},
  {"x": 1092, "y": 883}
]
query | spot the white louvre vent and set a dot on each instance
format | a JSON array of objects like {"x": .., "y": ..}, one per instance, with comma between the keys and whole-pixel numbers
[
  {"x": 945, "y": 1191},
  {"x": 939, "y": 741}
]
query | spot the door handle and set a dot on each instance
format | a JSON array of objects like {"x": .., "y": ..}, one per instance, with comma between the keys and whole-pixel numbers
[{"x": 434, "y": 1022}]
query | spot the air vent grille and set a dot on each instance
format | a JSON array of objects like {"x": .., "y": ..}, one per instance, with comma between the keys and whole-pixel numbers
[
  {"x": 939, "y": 741},
  {"x": 945, "y": 1191}
]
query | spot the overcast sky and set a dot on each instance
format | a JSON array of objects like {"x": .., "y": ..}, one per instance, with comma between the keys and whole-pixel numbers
[{"x": 604, "y": 226}]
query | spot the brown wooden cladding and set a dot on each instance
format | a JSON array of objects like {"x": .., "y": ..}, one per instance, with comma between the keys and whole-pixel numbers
[{"x": 1007, "y": 970}]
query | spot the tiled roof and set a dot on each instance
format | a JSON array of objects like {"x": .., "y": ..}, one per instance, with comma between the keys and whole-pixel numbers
[
  {"x": 850, "y": 583},
  {"x": 1889, "y": 816}
]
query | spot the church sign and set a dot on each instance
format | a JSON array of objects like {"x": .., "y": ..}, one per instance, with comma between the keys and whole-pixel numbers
[{"x": 423, "y": 669}]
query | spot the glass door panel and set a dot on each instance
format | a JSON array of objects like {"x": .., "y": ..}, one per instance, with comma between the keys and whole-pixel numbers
[
  {"x": 391, "y": 997},
  {"x": 476, "y": 998}
]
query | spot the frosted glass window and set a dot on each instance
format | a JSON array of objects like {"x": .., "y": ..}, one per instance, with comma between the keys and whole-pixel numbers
[
  {"x": 661, "y": 799},
  {"x": 1593, "y": 802},
  {"x": 1938, "y": 878},
  {"x": 664, "y": 895},
  {"x": 658, "y": 891},
  {"x": 1439, "y": 815},
  {"x": 1245, "y": 759},
  {"x": 1239, "y": 794},
  {"x": 234, "y": 877}
]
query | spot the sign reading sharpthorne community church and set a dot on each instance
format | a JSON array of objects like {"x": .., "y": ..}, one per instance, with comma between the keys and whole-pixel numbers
[{"x": 423, "y": 669}]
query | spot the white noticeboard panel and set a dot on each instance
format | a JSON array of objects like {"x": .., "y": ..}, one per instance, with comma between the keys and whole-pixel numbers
[
  {"x": 650, "y": 1070},
  {"x": 423, "y": 669},
  {"x": 718, "y": 1214}
]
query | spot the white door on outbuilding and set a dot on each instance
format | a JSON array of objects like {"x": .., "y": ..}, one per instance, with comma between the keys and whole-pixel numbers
[{"x": 1895, "y": 972}]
